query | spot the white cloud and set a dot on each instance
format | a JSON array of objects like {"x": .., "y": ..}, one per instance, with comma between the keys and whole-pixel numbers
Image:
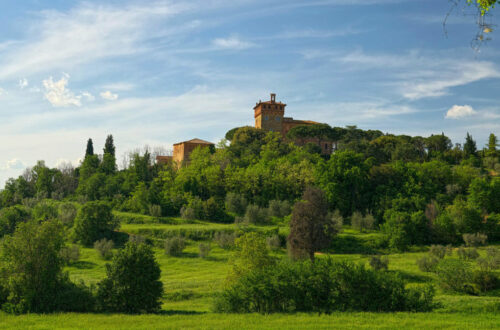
[
  {"x": 88, "y": 96},
  {"x": 107, "y": 95},
  {"x": 119, "y": 86},
  {"x": 57, "y": 93},
  {"x": 2, "y": 91},
  {"x": 13, "y": 164},
  {"x": 23, "y": 83},
  {"x": 460, "y": 111},
  {"x": 233, "y": 42}
]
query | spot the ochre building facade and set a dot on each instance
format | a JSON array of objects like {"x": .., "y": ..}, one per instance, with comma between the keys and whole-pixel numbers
[{"x": 270, "y": 116}]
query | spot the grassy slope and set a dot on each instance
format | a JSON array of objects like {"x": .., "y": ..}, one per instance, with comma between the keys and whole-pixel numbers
[{"x": 190, "y": 283}]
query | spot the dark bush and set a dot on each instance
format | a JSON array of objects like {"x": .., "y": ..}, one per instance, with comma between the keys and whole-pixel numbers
[
  {"x": 476, "y": 239},
  {"x": 94, "y": 222},
  {"x": 273, "y": 242},
  {"x": 256, "y": 215},
  {"x": 204, "y": 250},
  {"x": 133, "y": 282},
  {"x": 455, "y": 275},
  {"x": 323, "y": 286},
  {"x": 439, "y": 251},
  {"x": 224, "y": 240},
  {"x": 174, "y": 246},
  {"x": 467, "y": 253},
  {"x": 379, "y": 263},
  {"x": 70, "y": 254},
  {"x": 104, "y": 248},
  {"x": 427, "y": 263},
  {"x": 279, "y": 209},
  {"x": 236, "y": 203}
]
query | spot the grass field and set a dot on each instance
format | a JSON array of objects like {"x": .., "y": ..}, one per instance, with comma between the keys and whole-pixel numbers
[{"x": 190, "y": 282}]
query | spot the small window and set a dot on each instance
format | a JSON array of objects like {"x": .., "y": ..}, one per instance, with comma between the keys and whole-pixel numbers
[
  {"x": 326, "y": 146},
  {"x": 266, "y": 117},
  {"x": 278, "y": 118}
]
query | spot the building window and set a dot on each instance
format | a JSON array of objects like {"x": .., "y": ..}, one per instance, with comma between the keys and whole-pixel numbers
[
  {"x": 266, "y": 117},
  {"x": 278, "y": 118}
]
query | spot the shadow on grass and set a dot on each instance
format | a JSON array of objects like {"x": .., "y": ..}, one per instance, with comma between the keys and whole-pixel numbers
[
  {"x": 350, "y": 245},
  {"x": 163, "y": 312},
  {"x": 83, "y": 264},
  {"x": 413, "y": 278}
]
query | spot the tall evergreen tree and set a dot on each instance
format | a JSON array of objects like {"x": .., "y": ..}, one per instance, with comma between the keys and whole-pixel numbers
[
  {"x": 90, "y": 148},
  {"x": 469, "y": 146},
  {"x": 492, "y": 145},
  {"x": 108, "y": 165},
  {"x": 109, "y": 146}
]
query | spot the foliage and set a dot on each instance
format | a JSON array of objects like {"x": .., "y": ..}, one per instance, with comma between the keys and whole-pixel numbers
[
  {"x": 476, "y": 239},
  {"x": 10, "y": 217},
  {"x": 132, "y": 283},
  {"x": 323, "y": 286},
  {"x": 467, "y": 253},
  {"x": 67, "y": 214},
  {"x": 31, "y": 271},
  {"x": 251, "y": 253},
  {"x": 70, "y": 254},
  {"x": 225, "y": 240},
  {"x": 273, "y": 242},
  {"x": 379, "y": 263},
  {"x": 94, "y": 221},
  {"x": 361, "y": 222},
  {"x": 310, "y": 227},
  {"x": 427, "y": 263},
  {"x": 104, "y": 248},
  {"x": 204, "y": 250},
  {"x": 174, "y": 246},
  {"x": 236, "y": 203},
  {"x": 279, "y": 209},
  {"x": 439, "y": 251}
]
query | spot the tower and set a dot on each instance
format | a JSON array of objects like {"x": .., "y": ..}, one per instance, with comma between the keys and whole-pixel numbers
[{"x": 269, "y": 115}]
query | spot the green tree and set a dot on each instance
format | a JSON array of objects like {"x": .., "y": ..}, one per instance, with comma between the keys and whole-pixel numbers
[
  {"x": 251, "y": 253},
  {"x": 108, "y": 164},
  {"x": 93, "y": 222},
  {"x": 31, "y": 266},
  {"x": 11, "y": 217},
  {"x": 344, "y": 178},
  {"x": 469, "y": 146},
  {"x": 310, "y": 228},
  {"x": 133, "y": 282},
  {"x": 89, "y": 151},
  {"x": 492, "y": 145}
]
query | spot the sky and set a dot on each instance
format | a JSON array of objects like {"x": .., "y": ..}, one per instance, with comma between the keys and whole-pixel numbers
[{"x": 160, "y": 72}]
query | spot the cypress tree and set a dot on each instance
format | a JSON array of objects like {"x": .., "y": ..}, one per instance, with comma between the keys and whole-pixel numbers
[
  {"x": 109, "y": 160},
  {"x": 90, "y": 148},
  {"x": 469, "y": 146},
  {"x": 109, "y": 146}
]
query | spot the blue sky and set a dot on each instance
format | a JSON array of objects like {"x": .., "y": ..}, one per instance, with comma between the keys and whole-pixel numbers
[{"x": 160, "y": 72}]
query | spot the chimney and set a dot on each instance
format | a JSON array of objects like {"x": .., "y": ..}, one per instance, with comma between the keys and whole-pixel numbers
[{"x": 273, "y": 97}]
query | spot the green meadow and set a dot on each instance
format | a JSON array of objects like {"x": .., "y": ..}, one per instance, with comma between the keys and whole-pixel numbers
[{"x": 190, "y": 283}]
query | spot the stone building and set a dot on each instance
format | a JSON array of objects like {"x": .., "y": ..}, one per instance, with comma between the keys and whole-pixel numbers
[
  {"x": 270, "y": 116},
  {"x": 182, "y": 150}
]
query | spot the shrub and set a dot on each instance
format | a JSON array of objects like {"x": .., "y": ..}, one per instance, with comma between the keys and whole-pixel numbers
[
  {"x": 31, "y": 270},
  {"x": 70, "y": 254},
  {"x": 427, "y": 263},
  {"x": 455, "y": 275},
  {"x": 361, "y": 222},
  {"x": 104, "y": 248},
  {"x": 67, "y": 214},
  {"x": 322, "y": 286},
  {"x": 10, "y": 217},
  {"x": 188, "y": 213},
  {"x": 45, "y": 210},
  {"x": 224, "y": 240},
  {"x": 155, "y": 210},
  {"x": 439, "y": 251},
  {"x": 174, "y": 246},
  {"x": 476, "y": 239},
  {"x": 235, "y": 203},
  {"x": 204, "y": 250},
  {"x": 273, "y": 242},
  {"x": 256, "y": 215},
  {"x": 485, "y": 280},
  {"x": 94, "y": 222},
  {"x": 279, "y": 209},
  {"x": 467, "y": 254},
  {"x": 251, "y": 254},
  {"x": 379, "y": 263},
  {"x": 133, "y": 282},
  {"x": 137, "y": 239},
  {"x": 336, "y": 220}
]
